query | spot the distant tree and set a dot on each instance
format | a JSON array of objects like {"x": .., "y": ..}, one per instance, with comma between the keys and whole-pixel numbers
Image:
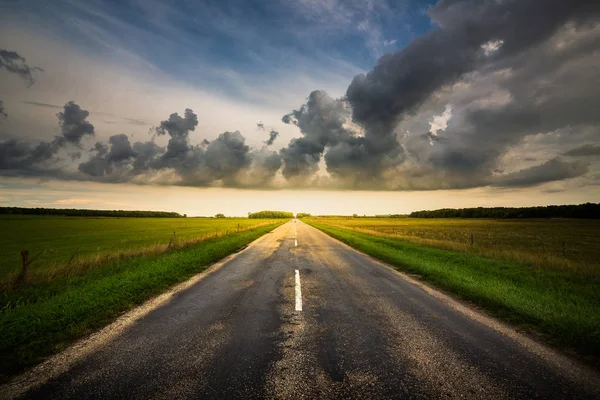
[
  {"x": 303, "y": 215},
  {"x": 354, "y": 215},
  {"x": 72, "y": 212},
  {"x": 587, "y": 210},
  {"x": 271, "y": 214},
  {"x": 220, "y": 215}
]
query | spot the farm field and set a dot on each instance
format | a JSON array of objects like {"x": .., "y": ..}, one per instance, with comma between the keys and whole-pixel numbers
[
  {"x": 537, "y": 242},
  {"x": 119, "y": 263},
  {"x": 61, "y": 246},
  {"x": 514, "y": 269}
]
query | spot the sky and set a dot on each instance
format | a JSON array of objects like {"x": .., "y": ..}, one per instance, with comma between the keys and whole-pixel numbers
[{"x": 320, "y": 106}]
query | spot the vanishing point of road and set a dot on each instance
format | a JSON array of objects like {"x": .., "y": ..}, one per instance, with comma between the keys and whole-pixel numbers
[{"x": 299, "y": 315}]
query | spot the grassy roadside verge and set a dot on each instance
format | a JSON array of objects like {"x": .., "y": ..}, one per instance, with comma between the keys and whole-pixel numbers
[
  {"x": 564, "y": 307},
  {"x": 31, "y": 331}
]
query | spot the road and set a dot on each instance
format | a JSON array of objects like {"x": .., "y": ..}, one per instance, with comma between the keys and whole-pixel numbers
[{"x": 300, "y": 315}]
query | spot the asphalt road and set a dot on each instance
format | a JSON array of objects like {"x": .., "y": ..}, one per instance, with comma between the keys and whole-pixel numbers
[{"x": 352, "y": 328}]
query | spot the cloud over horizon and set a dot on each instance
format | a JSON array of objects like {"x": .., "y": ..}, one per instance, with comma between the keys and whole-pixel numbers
[{"x": 453, "y": 109}]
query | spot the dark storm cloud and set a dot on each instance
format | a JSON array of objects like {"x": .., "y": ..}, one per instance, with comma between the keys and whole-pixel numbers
[
  {"x": 73, "y": 123},
  {"x": 271, "y": 163},
  {"x": 108, "y": 160},
  {"x": 12, "y": 62},
  {"x": 301, "y": 157},
  {"x": 475, "y": 42},
  {"x": 287, "y": 119},
  {"x": 550, "y": 171},
  {"x": 348, "y": 156},
  {"x": 14, "y": 154},
  {"x": 145, "y": 154},
  {"x": 223, "y": 160},
  {"x": 402, "y": 81},
  {"x": 321, "y": 121},
  {"x": 584, "y": 151},
  {"x": 507, "y": 73},
  {"x": 22, "y": 157},
  {"x": 481, "y": 135},
  {"x": 265, "y": 164},
  {"x": 227, "y": 155},
  {"x": 120, "y": 148},
  {"x": 272, "y": 136},
  {"x": 178, "y": 128}
]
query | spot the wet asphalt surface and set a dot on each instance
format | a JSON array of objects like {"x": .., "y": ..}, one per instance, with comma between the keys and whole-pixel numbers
[{"x": 365, "y": 332}]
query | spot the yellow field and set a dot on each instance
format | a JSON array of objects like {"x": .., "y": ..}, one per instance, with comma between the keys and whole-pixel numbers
[{"x": 538, "y": 242}]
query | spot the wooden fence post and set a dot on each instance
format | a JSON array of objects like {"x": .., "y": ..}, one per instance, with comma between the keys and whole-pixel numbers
[
  {"x": 472, "y": 239},
  {"x": 564, "y": 249},
  {"x": 238, "y": 228},
  {"x": 24, "y": 275},
  {"x": 72, "y": 257},
  {"x": 172, "y": 241}
]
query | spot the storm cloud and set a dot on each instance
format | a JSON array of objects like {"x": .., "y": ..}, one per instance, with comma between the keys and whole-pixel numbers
[
  {"x": 491, "y": 61},
  {"x": 550, "y": 171},
  {"x": 106, "y": 160},
  {"x": 226, "y": 160},
  {"x": 584, "y": 151},
  {"x": 73, "y": 123},
  {"x": 12, "y": 62},
  {"x": 272, "y": 136},
  {"x": 20, "y": 157},
  {"x": 498, "y": 94}
]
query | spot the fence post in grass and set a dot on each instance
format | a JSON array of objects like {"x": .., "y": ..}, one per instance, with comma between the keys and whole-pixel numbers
[
  {"x": 238, "y": 228},
  {"x": 24, "y": 275},
  {"x": 564, "y": 248},
  {"x": 72, "y": 257},
  {"x": 472, "y": 240},
  {"x": 173, "y": 239}
]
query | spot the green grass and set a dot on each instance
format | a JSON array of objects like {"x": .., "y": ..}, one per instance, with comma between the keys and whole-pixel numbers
[
  {"x": 57, "y": 239},
  {"x": 561, "y": 304},
  {"x": 42, "y": 318},
  {"x": 536, "y": 242}
]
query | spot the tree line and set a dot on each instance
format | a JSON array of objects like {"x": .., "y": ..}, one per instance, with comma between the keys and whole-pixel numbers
[
  {"x": 271, "y": 214},
  {"x": 72, "y": 212},
  {"x": 587, "y": 210}
]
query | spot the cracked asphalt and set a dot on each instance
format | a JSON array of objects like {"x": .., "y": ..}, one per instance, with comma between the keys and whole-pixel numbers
[{"x": 365, "y": 332}]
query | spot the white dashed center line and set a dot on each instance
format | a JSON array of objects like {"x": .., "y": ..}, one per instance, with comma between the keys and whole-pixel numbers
[{"x": 298, "y": 292}]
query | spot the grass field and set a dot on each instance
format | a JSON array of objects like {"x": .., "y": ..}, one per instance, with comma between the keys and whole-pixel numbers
[
  {"x": 514, "y": 269},
  {"x": 537, "y": 242},
  {"x": 61, "y": 246},
  {"x": 120, "y": 263}
]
